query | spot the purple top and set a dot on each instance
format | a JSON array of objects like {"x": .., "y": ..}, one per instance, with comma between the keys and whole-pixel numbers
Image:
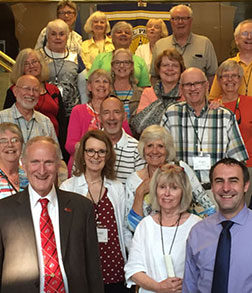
[{"x": 201, "y": 250}]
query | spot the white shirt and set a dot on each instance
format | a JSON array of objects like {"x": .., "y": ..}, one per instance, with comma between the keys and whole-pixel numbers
[{"x": 53, "y": 210}]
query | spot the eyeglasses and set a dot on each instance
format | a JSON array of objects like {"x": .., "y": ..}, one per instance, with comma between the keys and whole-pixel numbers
[
  {"x": 92, "y": 152},
  {"x": 246, "y": 34},
  {"x": 32, "y": 63},
  {"x": 196, "y": 84},
  {"x": 171, "y": 167},
  {"x": 29, "y": 89},
  {"x": 13, "y": 140},
  {"x": 230, "y": 76},
  {"x": 68, "y": 13},
  {"x": 125, "y": 63},
  {"x": 178, "y": 18}
]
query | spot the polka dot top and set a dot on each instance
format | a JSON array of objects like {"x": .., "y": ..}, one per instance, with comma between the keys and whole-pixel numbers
[{"x": 110, "y": 253}]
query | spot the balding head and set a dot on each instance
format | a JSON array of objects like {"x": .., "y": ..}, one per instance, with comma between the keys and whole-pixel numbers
[{"x": 194, "y": 87}]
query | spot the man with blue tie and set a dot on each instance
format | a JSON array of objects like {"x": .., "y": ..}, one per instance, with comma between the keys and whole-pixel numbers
[{"x": 218, "y": 256}]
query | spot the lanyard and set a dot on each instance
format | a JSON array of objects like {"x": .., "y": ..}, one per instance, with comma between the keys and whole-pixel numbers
[
  {"x": 99, "y": 198},
  {"x": 203, "y": 131},
  {"x": 247, "y": 81},
  {"x": 26, "y": 124},
  {"x": 9, "y": 182},
  {"x": 174, "y": 236}
]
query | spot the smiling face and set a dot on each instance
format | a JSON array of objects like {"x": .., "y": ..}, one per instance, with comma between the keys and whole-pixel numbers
[
  {"x": 169, "y": 71},
  {"x": 155, "y": 153},
  {"x": 122, "y": 38},
  {"x": 244, "y": 39},
  {"x": 122, "y": 65},
  {"x": 229, "y": 189},
  {"x": 181, "y": 22},
  {"x": 26, "y": 92},
  {"x": 57, "y": 39},
  {"x": 194, "y": 87},
  {"x": 32, "y": 65},
  {"x": 169, "y": 195},
  {"x": 41, "y": 166},
  {"x": 68, "y": 15},
  {"x": 230, "y": 81},
  {"x": 99, "y": 26},
  {"x": 94, "y": 163},
  {"x": 112, "y": 116},
  {"x": 99, "y": 86},
  {"x": 10, "y": 151}
]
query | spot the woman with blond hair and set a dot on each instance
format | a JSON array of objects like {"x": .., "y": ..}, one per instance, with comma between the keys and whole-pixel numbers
[
  {"x": 123, "y": 80},
  {"x": 50, "y": 103},
  {"x": 155, "y": 30},
  {"x": 157, "y": 253},
  {"x": 98, "y": 27}
]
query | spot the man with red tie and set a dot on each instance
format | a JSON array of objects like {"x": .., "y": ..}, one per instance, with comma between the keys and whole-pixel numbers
[{"x": 48, "y": 240}]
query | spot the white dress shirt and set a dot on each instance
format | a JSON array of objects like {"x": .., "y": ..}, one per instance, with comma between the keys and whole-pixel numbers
[{"x": 53, "y": 210}]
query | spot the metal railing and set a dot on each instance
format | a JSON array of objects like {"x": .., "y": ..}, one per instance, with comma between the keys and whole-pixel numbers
[{"x": 6, "y": 62}]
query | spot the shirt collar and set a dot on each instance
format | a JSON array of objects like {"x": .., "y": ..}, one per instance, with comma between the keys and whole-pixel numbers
[
  {"x": 189, "y": 40},
  {"x": 122, "y": 141},
  {"x": 83, "y": 182},
  {"x": 204, "y": 109},
  {"x": 19, "y": 115},
  {"x": 239, "y": 219},
  {"x": 35, "y": 197}
]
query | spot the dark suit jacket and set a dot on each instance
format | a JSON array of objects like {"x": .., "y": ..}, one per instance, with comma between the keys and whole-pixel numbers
[{"x": 19, "y": 269}]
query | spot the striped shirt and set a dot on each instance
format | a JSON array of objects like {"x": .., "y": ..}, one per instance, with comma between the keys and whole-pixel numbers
[
  {"x": 128, "y": 159},
  {"x": 125, "y": 97},
  {"x": 6, "y": 189},
  {"x": 215, "y": 131}
]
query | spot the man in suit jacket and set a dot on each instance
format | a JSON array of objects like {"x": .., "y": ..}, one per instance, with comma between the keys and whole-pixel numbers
[{"x": 21, "y": 258}]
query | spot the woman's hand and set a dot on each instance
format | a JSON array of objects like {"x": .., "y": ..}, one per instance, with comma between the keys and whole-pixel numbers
[
  {"x": 141, "y": 191},
  {"x": 170, "y": 285}
]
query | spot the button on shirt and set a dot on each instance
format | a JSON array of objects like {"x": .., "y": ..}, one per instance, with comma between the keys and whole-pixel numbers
[
  {"x": 201, "y": 250},
  {"x": 215, "y": 130},
  {"x": 53, "y": 210}
]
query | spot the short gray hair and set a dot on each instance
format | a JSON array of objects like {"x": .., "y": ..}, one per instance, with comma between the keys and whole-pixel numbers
[
  {"x": 119, "y": 25},
  {"x": 189, "y": 9},
  {"x": 156, "y": 132},
  {"x": 229, "y": 65},
  {"x": 47, "y": 139},
  {"x": 57, "y": 23},
  {"x": 238, "y": 28},
  {"x": 173, "y": 174}
]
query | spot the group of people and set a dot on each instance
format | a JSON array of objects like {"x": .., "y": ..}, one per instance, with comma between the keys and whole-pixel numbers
[{"x": 145, "y": 163}]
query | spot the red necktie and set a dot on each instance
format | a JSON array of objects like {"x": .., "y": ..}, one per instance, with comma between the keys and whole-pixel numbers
[{"x": 53, "y": 277}]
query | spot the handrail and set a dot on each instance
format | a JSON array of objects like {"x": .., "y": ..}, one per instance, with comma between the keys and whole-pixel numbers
[{"x": 6, "y": 62}]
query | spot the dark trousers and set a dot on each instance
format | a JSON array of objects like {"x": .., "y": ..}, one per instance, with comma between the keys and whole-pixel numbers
[{"x": 118, "y": 288}]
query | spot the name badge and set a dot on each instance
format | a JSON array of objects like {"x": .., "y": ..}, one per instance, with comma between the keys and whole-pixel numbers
[
  {"x": 202, "y": 162},
  {"x": 102, "y": 234}
]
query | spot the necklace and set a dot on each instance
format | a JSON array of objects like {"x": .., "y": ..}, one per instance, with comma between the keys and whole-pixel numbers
[
  {"x": 100, "y": 193},
  {"x": 118, "y": 93},
  {"x": 55, "y": 66},
  {"x": 93, "y": 182},
  {"x": 175, "y": 233}
]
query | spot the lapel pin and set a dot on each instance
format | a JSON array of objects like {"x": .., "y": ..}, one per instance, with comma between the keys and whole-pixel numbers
[{"x": 67, "y": 210}]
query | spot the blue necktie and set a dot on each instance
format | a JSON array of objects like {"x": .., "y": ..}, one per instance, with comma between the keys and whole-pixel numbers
[{"x": 222, "y": 260}]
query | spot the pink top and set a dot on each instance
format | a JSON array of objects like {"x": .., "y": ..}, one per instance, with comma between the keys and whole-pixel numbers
[{"x": 81, "y": 120}]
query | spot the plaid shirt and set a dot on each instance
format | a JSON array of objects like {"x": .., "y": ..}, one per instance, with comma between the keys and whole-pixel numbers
[
  {"x": 39, "y": 124},
  {"x": 214, "y": 131}
]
